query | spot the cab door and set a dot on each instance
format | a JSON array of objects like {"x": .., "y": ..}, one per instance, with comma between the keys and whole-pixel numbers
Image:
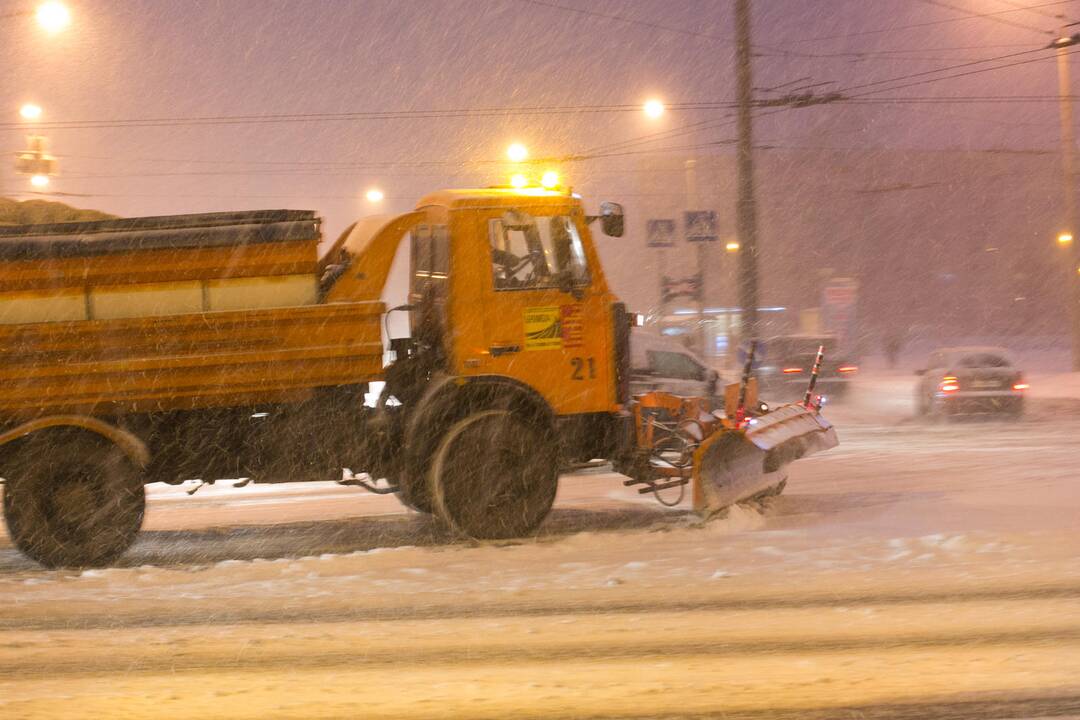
[{"x": 545, "y": 322}]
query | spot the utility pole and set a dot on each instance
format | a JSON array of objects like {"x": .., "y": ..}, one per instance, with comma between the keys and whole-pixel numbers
[
  {"x": 1068, "y": 150},
  {"x": 745, "y": 207},
  {"x": 693, "y": 203}
]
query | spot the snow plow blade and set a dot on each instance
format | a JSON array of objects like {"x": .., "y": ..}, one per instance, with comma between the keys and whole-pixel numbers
[{"x": 732, "y": 466}]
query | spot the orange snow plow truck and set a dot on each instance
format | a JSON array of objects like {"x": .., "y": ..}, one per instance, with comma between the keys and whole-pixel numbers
[{"x": 213, "y": 346}]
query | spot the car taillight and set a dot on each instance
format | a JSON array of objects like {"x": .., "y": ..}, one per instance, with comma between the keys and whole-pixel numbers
[
  {"x": 1020, "y": 386},
  {"x": 848, "y": 368},
  {"x": 792, "y": 371},
  {"x": 949, "y": 384}
]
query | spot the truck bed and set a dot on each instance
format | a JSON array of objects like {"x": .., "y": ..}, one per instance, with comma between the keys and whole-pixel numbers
[
  {"x": 178, "y": 312},
  {"x": 189, "y": 361}
]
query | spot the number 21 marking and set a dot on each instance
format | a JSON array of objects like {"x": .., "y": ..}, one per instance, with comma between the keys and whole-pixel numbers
[{"x": 579, "y": 368}]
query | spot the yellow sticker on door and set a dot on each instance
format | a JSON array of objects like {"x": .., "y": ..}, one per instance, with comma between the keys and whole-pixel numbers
[{"x": 543, "y": 328}]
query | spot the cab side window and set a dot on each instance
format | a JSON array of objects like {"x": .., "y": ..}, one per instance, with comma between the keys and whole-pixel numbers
[
  {"x": 530, "y": 252},
  {"x": 430, "y": 262},
  {"x": 429, "y": 281}
]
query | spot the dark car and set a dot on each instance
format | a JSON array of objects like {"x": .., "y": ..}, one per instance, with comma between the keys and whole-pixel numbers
[
  {"x": 785, "y": 362},
  {"x": 967, "y": 380}
]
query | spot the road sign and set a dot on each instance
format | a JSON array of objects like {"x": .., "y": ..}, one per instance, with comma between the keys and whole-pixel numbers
[
  {"x": 673, "y": 288},
  {"x": 700, "y": 225},
  {"x": 661, "y": 233}
]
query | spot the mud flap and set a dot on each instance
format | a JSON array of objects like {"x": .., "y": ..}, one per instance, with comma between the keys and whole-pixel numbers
[{"x": 735, "y": 465}]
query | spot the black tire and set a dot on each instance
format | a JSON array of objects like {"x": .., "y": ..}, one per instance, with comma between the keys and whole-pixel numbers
[
  {"x": 383, "y": 436},
  {"x": 72, "y": 499},
  {"x": 495, "y": 475},
  {"x": 413, "y": 494}
]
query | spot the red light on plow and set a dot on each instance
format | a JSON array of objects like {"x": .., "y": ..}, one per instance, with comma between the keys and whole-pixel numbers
[
  {"x": 792, "y": 371},
  {"x": 848, "y": 368},
  {"x": 1021, "y": 386}
]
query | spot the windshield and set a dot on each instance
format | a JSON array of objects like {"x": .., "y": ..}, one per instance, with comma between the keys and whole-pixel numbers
[{"x": 984, "y": 360}]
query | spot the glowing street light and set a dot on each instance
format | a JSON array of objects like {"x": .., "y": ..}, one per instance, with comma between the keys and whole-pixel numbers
[
  {"x": 517, "y": 152},
  {"x": 30, "y": 111},
  {"x": 550, "y": 179},
  {"x": 519, "y": 181},
  {"x": 40, "y": 181},
  {"x": 374, "y": 195},
  {"x": 1064, "y": 238},
  {"x": 653, "y": 108},
  {"x": 732, "y": 246},
  {"x": 53, "y": 16}
]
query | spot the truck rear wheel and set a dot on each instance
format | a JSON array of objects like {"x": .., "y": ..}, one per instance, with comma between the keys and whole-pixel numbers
[
  {"x": 72, "y": 499},
  {"x": 495, "y": 475}
]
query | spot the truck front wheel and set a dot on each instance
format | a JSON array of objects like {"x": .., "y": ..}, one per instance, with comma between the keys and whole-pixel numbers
[
  {"x": 495, "y": 475},
  {"x": 72, "y": 499}
]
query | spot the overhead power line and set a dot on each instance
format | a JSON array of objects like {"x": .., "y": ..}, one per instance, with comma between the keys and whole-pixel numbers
[
  {"x": 450, "y": 113},
  {"x": 949, "y": 68},
  {"x": 483, "y": 112},
  {"x": 905, "y": 54},
  {"x": 324, "y": 167},
  {"x": 679, "y": 131},
  {"x": 347, "y": 164},
  {"x": 629, "y": 21},
  {"x": 1036, "y": 9},
  {"x": 989, "y": 16},
  {"x": 961, "y": 100},
  {"x": 707, "y": 125},
  {"x": 930, "y": 23},
  {"x": 632, "y": 145},
  {"x": 967, "y": 73}
]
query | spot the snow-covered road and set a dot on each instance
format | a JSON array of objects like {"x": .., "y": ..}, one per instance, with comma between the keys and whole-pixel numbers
[{"x": 918, "y": 570}]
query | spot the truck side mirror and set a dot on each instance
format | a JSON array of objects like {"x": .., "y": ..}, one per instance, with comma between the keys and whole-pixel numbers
[{"x": 611, "y": 219}]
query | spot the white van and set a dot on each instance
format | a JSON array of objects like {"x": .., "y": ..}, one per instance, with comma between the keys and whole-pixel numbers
[{"x": 662, "y": 363}]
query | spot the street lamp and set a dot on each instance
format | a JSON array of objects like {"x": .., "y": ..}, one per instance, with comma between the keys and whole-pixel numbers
[
  {"x": 53, "y": 16},
  {"x": 1068, "y": 150},
  {"x": 653, "y": 108},
  {"x": 30, "y": 111},
  {"x": 517, "y": 152},
  {"x": 374, "y": 195}
]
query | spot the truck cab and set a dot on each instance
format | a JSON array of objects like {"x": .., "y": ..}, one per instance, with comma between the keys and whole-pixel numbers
[
  {"x": 508, "y": 304},
  {"x": 509, "y": 283}
]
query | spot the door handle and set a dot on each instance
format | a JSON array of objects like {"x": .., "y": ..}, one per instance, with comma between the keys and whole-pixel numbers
[{"x": 497, "y": 350}]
